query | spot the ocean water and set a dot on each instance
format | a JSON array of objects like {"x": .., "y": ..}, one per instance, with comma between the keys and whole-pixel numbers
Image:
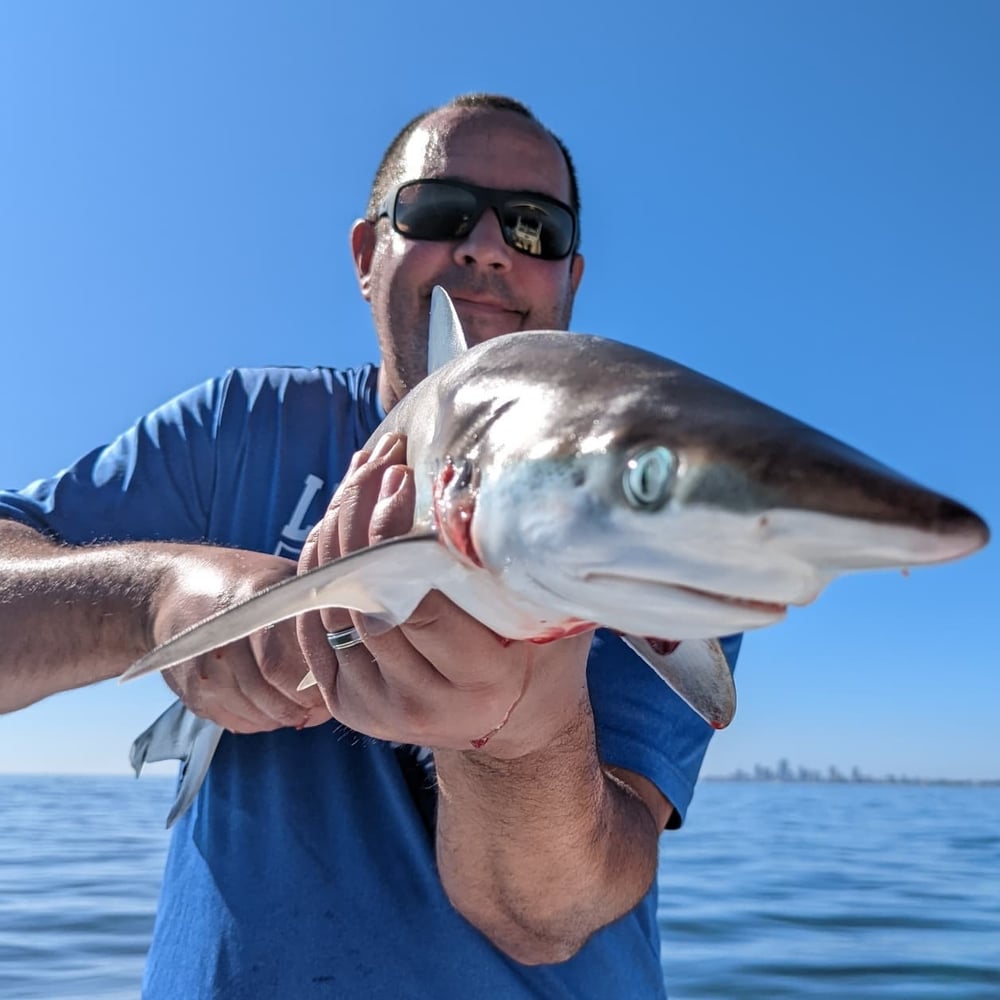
[
  {"x": 864, "y": 891},
  {"x": 770, "y": 891},
  {"x": 80, "y": 865}
]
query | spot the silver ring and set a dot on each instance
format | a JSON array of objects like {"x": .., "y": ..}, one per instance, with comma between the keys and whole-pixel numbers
[{"x": 345, "y": 638}]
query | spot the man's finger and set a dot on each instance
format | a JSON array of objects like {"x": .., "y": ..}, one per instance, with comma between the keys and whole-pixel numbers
[
  {"x": 224, "y": 704},
  {"x": 309, "y": 556},
  {"x": 361, "y": 493},
  {"x": 394, "y": 508}
]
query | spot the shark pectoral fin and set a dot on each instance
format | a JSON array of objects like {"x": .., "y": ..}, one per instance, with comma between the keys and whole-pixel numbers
[
  {"x": 178, "y": 734},
  {"x": 388, "y": 579},
  {"x": 697, "y": 670},
  {"x": 434, "y": 564},
  {"x": 375, "y": 624}
]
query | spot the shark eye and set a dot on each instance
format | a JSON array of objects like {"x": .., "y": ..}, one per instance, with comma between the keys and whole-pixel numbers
[{"x": 648, "y": 477}]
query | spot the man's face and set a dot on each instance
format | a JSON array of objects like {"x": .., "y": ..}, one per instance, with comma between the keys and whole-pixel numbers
[{"x": 496, "y": 289}]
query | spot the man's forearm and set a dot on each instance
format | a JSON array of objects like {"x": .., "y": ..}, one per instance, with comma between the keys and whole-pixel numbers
[
  {"x": 69, "y": 616},
  {"x": 541, "y": 851}
]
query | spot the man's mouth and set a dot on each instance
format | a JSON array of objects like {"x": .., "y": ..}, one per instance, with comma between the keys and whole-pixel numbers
[
  {"x": 483, "y": 305},
  {"x": 478, "y": 311}
]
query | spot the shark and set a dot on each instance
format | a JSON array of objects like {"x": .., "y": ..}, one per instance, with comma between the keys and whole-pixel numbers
[{"x": 566, "y": 481}]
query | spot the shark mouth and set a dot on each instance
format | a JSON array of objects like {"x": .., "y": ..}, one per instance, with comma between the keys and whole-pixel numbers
[
  {"x": 765, "y": 607},
  {"x": 772, "y": 608}
]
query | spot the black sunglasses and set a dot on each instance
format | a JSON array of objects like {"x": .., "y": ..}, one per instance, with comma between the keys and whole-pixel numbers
[{"x": 439, "y": 209}]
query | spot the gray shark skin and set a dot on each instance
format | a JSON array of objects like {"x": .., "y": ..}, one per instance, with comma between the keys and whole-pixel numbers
[{"x": 566, "y": 480}]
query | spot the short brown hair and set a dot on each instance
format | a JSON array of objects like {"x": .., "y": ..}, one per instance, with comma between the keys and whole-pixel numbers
[{"x": 477, "y": 101}]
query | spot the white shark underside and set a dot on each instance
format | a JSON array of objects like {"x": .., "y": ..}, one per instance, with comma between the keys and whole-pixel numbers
[{"x": 565, "y": 481}]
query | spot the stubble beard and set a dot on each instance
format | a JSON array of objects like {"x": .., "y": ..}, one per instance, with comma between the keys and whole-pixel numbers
[{"x": 404, "y": 354}]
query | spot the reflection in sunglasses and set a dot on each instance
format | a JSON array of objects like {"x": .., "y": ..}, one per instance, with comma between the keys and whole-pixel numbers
[{"x": 525, "y": 235}]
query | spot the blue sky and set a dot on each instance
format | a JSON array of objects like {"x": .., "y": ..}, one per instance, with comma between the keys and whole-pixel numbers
[{"x": 800, "y": 199}]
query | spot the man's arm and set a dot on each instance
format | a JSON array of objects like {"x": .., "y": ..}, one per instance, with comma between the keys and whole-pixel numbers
[
  {"x": 541, "y": 851},
  {"x": 68, "y": 617},
  {"x": 538, "y": 845},
  {"x": 74, "y": 615}
]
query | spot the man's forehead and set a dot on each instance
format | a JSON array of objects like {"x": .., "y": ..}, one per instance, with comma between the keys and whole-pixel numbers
[{"x": 472, "y": 143}]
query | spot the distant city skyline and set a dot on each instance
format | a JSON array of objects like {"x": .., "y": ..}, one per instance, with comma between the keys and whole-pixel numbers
[{"x": 785, "y": 771}]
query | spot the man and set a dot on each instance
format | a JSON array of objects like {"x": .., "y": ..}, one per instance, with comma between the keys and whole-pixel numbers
[{"x": 317, "y": 861}]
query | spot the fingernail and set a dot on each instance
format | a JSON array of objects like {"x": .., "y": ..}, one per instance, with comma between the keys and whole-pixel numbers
[{"x": 392, "y": 481}]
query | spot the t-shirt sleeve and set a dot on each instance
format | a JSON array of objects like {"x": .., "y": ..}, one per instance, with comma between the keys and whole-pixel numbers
[
  {"x": 642, "y": 725},
  {"x": 152, "y": 483}
]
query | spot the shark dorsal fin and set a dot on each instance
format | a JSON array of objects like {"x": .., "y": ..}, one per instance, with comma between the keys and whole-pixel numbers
[{"x": 445, "y": 336}]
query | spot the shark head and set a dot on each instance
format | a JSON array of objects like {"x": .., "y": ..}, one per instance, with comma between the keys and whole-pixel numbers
[{"x": 620, "y": 487}]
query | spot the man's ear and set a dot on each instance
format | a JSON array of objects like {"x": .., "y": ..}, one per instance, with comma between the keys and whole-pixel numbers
[
  {"x": 576, "y": 271},
  {"x": 363, "y": 252}
]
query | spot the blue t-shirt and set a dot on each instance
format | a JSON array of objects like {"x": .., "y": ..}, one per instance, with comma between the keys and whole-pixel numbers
[{"x": 305, "y": 867}]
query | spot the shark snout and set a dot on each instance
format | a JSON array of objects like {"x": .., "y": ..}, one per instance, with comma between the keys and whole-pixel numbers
[{"x": 834, "y": 545}]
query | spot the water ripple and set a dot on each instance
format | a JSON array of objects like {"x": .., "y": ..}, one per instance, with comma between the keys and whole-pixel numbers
[
  {"x": 834, "y": 891},
  {"x": 783, "y": 892}
]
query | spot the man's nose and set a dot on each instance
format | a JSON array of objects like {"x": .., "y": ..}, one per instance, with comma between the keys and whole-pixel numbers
[{"x": 484, "y": 245}]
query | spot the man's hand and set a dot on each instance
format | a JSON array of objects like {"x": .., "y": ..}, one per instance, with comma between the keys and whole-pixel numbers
[
  {"x": 442, "y": 679},
  {"x": 249, "y": 685}
]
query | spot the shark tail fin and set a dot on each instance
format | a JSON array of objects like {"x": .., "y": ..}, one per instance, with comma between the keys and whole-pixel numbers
[{"x": 178, "y": 734}]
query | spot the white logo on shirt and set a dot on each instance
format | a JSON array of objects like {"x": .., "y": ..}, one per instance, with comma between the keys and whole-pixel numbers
[{"x": 294, "y": 534}]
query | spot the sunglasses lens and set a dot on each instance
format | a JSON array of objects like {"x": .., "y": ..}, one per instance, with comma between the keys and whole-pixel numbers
[
  {"x": 435, "y": 211},
  {"x": 438, "y": 210},
  {"x": 538, "y": 227}
]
